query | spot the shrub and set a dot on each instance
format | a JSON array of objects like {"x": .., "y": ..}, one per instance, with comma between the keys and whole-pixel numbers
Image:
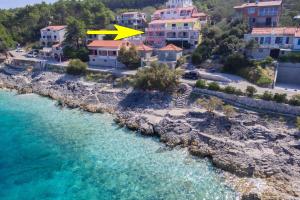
[
  {"x": 180, "y": 62},
  {"x": 239, "y": 92},
  {"x": 264, "y": 81},
  {"x": 77, "y": 67},
  {"x": 291, "y": 57},
  {"x": 214, "y": 86},
  {"x": 267, "y": 61},
  {"x": 298, "y": 123},
  {"x": 157, "y": 77},
  {"x": 250, "y": 91},
  {"x": 268, "y": 96},
  {"x": 235, "y": 62},
  {"x": 210, "y": 104},
  {"x": 229, "y": 111},
  {"x": 280, "y": 98},
  {"x": 230, "y": 90},
  {"x": 201, "y": 84},
  {"x": 295, "y": 100}
]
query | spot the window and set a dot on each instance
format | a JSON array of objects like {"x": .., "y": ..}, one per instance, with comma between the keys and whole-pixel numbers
[
  {"x": 287, "y": 40},
  {"x": 173, "y": 25},
  {"x": 186, "y": 24},
  {"x": 251, "y": 10},
  {"x": 261, "y": 40},
  {"x": 298, "y": 41},
  {"x": 278, "y": 40},
  {"x": 268, "y": 40}
]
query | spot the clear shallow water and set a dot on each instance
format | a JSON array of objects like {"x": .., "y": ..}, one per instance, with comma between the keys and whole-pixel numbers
[{"x": 52, "y": 153}]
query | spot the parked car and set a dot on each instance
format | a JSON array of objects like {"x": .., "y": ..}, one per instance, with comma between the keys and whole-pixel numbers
[
  {"x": 194, "y": 75},
  {"x": 32, "y": 54}
]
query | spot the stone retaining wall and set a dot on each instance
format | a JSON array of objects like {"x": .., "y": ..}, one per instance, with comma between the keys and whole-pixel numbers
[{"x": 250, "y": 103}]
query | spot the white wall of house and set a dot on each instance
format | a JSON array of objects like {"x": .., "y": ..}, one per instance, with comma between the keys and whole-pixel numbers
[
  {"x": 107, "y": 60},
  {"x": 52, "y": 36},
  {"x": 273, "y": 41},
  {"x": 297, "y": 43}
]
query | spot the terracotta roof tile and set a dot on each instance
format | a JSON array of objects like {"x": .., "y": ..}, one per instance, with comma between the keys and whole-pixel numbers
[
  {"x": 260, "y": 4},
  {"x": 143, "y": 47},
  {"x": 170, "y": 47},
  {"x": 54, "y": 28},
  {"x": 113, "y": 44},
  {"x": 276, "y": 31}
]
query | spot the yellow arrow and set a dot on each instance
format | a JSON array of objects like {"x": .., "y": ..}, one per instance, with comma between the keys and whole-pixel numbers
[{"x": 121, "y": 32}]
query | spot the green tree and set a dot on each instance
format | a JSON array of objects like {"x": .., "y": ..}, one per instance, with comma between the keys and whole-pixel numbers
[
  {"x": 77, "y": 67},
  {"x": 130, "y": 58},
  {"x": 6, "y": 41},
  {"x": 75, "y": 33},
  {"x": 157, "y": 77}
]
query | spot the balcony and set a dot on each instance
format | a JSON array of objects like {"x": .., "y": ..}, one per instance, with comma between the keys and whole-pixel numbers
[
  {"x": 170, "y": 28},
  {"x": 277, "y": 46}
]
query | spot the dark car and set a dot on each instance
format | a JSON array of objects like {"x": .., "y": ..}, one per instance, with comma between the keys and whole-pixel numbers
[{"x": 194, "y": 75}]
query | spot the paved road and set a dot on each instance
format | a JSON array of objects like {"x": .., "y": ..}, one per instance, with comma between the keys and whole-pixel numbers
[{"x": 242, "y": 84}]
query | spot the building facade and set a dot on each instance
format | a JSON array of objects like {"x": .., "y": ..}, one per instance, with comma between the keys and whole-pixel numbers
[
  {"x": 104, "y": 53},
  {"x": 52, "y": 35},
  {"x": 263, "y": 13},
  {"x": 180, "y": 23},
  {"x": 274, "y": 41},
  {"x": 136, "y": 20},
  {"x": 182, "y": 32},
  {"x": 169, "y": 55}
]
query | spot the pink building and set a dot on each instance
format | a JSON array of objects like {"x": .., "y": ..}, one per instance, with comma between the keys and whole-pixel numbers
[{"x": 180, "y": 24}]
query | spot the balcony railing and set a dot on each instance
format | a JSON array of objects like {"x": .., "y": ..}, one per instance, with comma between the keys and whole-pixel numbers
[
  {"x": 277, "y": 46},
  {"x": 170, "y": 28}
]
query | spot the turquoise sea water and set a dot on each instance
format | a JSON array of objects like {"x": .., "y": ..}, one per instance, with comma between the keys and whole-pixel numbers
[{"x": 51, "y": 153}]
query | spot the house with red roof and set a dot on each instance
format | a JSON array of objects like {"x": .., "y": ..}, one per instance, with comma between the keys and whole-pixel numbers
[
  {"x": 51, "y": 40},
  {"x": 169, "y": 55},
  {"x": 262, "y": 13},
  {"x": 104, "y": 53},
  {"x": 51, "y": 35},
  {"x": 274, "y": 41}
]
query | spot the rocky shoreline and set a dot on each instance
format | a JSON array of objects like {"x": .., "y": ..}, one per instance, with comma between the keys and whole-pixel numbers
[{"x": 261, "y": 153}]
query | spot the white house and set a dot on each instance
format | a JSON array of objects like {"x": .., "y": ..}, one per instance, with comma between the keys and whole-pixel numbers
[
  {"x": 104, "y": 53},
  {"x": 51, "y": 35},
  {"x": 179, "y": 3},
  {"x": 135, "y": 20},
  {"x": 274, "y": 41}
]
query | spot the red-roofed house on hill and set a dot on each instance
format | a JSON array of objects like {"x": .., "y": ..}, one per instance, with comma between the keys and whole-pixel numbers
[
  {"x": 274, "y": 41},
  {"x": 169, "y": 55},
  {"x": 51, "y": 35},
  {"x": 104, "y": 53},
  {"x": 261, "y": 13}
]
